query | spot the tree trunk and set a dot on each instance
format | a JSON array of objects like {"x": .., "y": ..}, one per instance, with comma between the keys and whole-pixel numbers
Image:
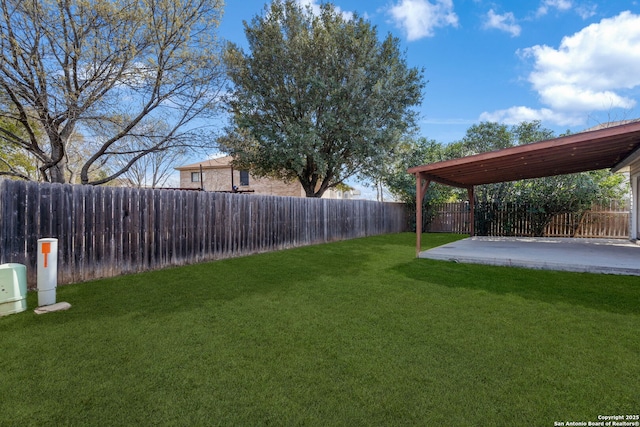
[
  {"x": 309, "y": 184},
  {"x": 56, "y": 174},
  {"x": 310, "y": 193},
  {"x": 56, "y": 167}
]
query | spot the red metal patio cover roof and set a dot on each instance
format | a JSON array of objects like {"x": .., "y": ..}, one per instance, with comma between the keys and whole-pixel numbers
[{"x": 580, "y": 152}]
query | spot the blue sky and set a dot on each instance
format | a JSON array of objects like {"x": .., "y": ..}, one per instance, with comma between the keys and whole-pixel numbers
[{"x": 572, "y": 64}]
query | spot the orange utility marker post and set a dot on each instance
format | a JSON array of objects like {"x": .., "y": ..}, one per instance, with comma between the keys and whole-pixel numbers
[
  {"x": 47, "y": 271},
  {"x": 46, "y": 250}
]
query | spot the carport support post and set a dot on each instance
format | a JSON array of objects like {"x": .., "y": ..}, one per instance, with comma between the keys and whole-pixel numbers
[
  {"x": 421, "y": 190},
  {"x": 472, "y": 211}
]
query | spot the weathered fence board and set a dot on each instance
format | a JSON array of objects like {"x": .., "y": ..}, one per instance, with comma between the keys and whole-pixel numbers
[
  {"x": 601, "y": 221},
  {"x": 107, "y": 231}
]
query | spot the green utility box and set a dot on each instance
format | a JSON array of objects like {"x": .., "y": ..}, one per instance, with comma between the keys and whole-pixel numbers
[{"x": 13, "y": 288}]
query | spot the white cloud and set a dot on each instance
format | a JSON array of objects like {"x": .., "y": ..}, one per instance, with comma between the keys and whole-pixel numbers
[
  {"x": 595, "y": 69},
  {"x": 315, "y": 7},
  {"x": 576, "y": 98},
  {"x": 419, "y": 18},
  {"x": 586, "y": 11},
  {"x": 561, "y": 5},
  {"x": 505, "y": 22},
  {"x": 517, "y": 115},
  {"x": 590, "y": 67}
]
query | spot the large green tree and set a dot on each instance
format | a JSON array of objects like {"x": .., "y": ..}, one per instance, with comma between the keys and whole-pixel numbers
[
  {"x": 317, "y": 98},
  {"x": 413, "y": 152},
  {"x": 102, "y": 68}
]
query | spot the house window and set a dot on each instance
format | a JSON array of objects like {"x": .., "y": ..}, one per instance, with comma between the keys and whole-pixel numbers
[
  {"x": 195, "y": 176},
  {"x": 244, "y": 178}
]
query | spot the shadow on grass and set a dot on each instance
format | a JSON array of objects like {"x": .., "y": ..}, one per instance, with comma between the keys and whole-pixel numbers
[
  {"x": 194, "y": 286},
  {"x": 610, "y": 293}
]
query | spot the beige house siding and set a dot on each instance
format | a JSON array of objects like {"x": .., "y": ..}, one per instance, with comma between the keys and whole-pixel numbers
[
  {"x": 634, "y": 176},
  {"x": 630, "y": 165},
  {"x": 216, "y": 176},
  {"x": 219, "y": 179}
]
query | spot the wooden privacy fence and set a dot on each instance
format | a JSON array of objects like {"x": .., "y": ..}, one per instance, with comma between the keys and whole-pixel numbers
[
  {"x": 605, "y": 221},
  {"x": 448, "y": 218},
  {"x": 601, "y": 221},
  {"x": 107, "y": 231}
]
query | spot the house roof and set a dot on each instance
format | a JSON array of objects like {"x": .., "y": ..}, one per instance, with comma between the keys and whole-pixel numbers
[
  {"x": 610, "y": 147},
  {"x": 218, "y": 163}
]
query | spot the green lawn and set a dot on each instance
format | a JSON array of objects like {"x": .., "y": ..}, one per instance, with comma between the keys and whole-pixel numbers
[{"x": 356, "y": 333}]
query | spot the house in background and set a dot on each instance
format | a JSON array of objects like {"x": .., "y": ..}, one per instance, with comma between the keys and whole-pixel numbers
[{"x": 219, "y": 175}]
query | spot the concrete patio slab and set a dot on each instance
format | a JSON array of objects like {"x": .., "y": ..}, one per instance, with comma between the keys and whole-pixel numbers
[{"x": 608, "y": 256}]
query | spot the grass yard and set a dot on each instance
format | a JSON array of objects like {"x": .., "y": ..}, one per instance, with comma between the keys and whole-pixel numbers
[{"x": 356, "y": 333}]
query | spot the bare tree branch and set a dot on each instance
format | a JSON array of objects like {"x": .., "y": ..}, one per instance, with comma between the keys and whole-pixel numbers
[{"x": 74, "y": 66}]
